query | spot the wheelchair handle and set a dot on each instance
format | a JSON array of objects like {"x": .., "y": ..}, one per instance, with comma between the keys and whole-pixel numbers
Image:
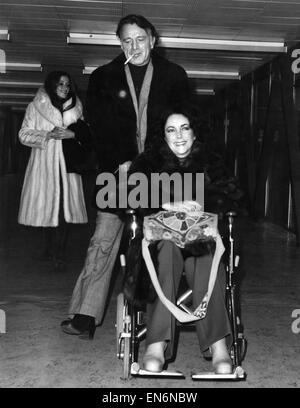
[
  {"x": 231, "y": 214},
  {"x": 133, "y": 221},
  {"x": 122, "y": 260},
  {"x": 130, "y": 211}
]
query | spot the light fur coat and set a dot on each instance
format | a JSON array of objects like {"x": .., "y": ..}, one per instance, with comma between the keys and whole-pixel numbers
[{"x": 39, "y": 205}]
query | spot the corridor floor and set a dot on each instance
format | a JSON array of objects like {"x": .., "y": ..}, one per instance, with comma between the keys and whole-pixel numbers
[{"x": 35, "y": 353}]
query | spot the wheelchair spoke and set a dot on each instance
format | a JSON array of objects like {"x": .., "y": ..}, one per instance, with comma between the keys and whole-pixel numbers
[
  {"x": 120, "y": 323},
  {"x": 126, "y": 358}
]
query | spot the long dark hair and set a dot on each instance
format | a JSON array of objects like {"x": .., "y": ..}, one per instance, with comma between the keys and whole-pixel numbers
[
  {"x": 158, "y": 150},
  {"x": 188, "y": 110},
  {"x": 50, "y": 85}
]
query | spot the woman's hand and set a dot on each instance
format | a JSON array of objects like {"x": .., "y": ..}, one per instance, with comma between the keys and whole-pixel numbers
[
  {"x": 59, "y": 133},
  {"x": 185, "y": 206}
]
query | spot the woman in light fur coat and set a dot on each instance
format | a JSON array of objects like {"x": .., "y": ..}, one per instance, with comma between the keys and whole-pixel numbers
[{"x": 52, "y": 194}]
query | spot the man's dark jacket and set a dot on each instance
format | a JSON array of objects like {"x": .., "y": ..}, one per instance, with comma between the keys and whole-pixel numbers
[{"x": 110, "y": 110}]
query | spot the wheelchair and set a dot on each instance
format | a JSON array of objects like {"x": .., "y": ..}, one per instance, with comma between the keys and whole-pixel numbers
[{"x": 131, "y": 321}]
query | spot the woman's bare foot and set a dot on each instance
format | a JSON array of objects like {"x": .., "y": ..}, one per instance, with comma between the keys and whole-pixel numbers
[
  {"x": 221, "y": 360},
  {"x": 154, "y": 357}
]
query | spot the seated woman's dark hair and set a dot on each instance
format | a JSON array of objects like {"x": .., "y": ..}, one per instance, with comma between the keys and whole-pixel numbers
[
  {"x": 188, "y": 110},
  {"x": 50, "y": 86}
]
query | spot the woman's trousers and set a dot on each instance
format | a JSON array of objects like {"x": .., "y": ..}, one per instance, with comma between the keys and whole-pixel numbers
[{"x": 161, "y": 324}]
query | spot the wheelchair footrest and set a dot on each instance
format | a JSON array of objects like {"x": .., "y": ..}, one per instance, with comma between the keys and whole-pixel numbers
[
  {"x": 137, "y": 371},
  {"x": 237, "y": 374}
]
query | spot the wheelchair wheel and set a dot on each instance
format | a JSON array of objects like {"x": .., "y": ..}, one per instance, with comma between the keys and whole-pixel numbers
[
  {"x": 120, "y": 324},
  {"x": 238, "y": 352},
  {"x": 123, "y": 334},
  {"x": 126, "y": 358}
]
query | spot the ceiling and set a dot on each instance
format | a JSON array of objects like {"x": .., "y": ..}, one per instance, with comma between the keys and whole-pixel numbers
[{"x": 38, "y": 32}]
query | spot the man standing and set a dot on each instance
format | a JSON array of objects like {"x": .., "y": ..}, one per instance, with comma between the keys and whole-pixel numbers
[{"x": 124, "y": 100}]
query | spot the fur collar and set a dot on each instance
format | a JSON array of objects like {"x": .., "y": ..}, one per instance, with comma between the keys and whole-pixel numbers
[
  {"x": 44, "y": 106},
  {"x": 164, "y": 160}
]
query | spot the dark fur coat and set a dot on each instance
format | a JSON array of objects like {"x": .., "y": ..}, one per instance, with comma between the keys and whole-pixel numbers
[{"x": 221, "y": 194}]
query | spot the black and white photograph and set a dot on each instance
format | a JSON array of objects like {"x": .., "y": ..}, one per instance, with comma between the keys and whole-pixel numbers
[{"x": 149, "y": 197}]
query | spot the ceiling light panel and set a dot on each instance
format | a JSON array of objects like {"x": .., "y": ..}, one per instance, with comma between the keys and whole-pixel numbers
[
  {"x": 4, "y": 35},
  {"x": 20, "y": 66},
  {"x": 204, "y": 91},
  {"x": 21, "y": 84},
  {"x": 16, "y": 95},
  {"x": 186, "y": 43},
  {"x": 14, "y": 102},
  {"x": 213, "y": 74},
  {"x": 100, "y": 39},
  {"x": 230, "y": 45}
]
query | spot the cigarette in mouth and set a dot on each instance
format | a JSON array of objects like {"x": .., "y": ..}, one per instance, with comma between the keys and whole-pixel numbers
[{"x": 128, "y": 59}]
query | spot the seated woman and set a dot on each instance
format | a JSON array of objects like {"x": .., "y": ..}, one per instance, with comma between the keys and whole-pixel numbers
[{"x": 178, "y": 149}]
